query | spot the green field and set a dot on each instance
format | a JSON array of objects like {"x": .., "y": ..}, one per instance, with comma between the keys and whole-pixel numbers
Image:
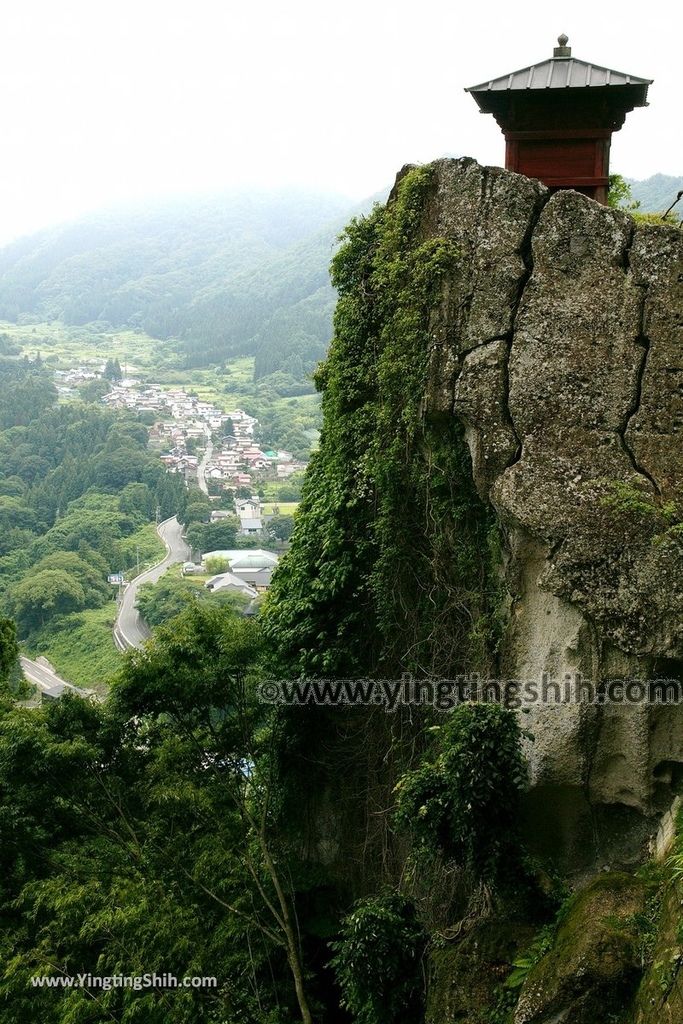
[
  {"x": 285, "y": 508},
  {"x": 64, "y": 347}
]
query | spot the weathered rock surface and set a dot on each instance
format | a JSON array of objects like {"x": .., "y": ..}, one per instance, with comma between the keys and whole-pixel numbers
[
  {"x": 465, "y": 977},
  {"x": 489, "y": 214},
  {"x": 559, "y": 344},
  {"x": 660, "y": 996},
  {"x": 479, "y": 400},
  {"x": 655, "y": 431},
  {"x": 594, "y": 964}
]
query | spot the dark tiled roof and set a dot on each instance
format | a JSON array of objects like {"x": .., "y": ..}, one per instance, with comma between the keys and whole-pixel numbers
[{"x": 559, "y": 73}]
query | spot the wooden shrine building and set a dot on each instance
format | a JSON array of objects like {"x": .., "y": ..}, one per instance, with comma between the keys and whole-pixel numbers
[{"x": 558, "y": 117}]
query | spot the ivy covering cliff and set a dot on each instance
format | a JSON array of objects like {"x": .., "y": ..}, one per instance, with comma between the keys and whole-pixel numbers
[{"x": 393, "y": 560}]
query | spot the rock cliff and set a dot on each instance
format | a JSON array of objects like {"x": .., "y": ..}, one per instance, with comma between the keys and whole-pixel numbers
[
  {"x": 497, "y": 492},
  {"x": 558, "y": 342}
]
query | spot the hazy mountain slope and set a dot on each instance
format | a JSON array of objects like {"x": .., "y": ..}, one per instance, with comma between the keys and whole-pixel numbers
[
  {"x": 656, "y": 194},
  {"x": 211, "y": 272},
  {"x": 292, "y": 287}
]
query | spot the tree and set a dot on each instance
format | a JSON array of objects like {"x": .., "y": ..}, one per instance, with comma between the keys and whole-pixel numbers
[
  {"x": 213, "y": 536},
  {"x": 171, "y": 495},
  {"x": 291, "y": 491},
  {"x": 13, "y": 487},
  {"x": 158, "y": 602},
  {"x": 170, "y": 596},
  {"x": 46, "y": 593},
  {"x": 93, "y": 390},
  {"x": 619, "y": 195},
  {"x": 191, "y": 680},
  {"x": 9, "y": 648},
  {"x": 281, "y": 527},
  {"x": 92, "y": 577},
  {"x": 142, "y": 834},
  {"x": 15, "y": 512},
  {"x": 197, "y": 509},
  {"x": 136, "y": 499},
  {"x": 112, "y": 370},
  {"x": 114, "y": 469},
  {"x": 24, "y": 395}
]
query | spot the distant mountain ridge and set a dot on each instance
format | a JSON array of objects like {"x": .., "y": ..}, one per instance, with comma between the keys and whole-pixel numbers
[{"x": 656, "y": 194}]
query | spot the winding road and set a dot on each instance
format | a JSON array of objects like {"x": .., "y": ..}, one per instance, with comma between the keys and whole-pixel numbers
[
  {"x": 130, "y": 629},
  {"x": 42, "y": 675}
]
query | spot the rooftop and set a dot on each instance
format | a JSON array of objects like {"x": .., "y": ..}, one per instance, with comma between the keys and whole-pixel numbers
[{"x": 562, "y": 71}]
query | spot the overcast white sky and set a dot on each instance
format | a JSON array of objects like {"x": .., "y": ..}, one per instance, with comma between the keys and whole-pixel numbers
[{"x": 106, "y": 100}]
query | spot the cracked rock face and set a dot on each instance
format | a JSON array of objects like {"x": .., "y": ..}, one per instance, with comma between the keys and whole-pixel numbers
[
  {"x": 596, "y": 466},
  {"x": 655, "y": 431},
  {"x": 559, "y": 344},
  {"x": 489, "y": 214}
]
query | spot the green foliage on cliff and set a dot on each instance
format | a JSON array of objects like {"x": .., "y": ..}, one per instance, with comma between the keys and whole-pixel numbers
[
  {"x": 392, "y": 562},
  {"x": 378, "y": 961},
  {"x": 464, "y": 804}
]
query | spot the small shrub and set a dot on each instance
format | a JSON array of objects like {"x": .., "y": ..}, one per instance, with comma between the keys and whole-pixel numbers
[
  {"x": 216, "y": 565},
  {"x": 378, "y": 961},
  {"x": 542, "y": 944},
  {"x": 464, "y": 804}
]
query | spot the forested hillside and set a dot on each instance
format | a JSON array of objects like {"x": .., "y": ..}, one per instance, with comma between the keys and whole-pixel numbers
[
  {"x": 79, "y": 493},
  {"x": 227, "y": 275},
  {"x": 656, "y": 194}
]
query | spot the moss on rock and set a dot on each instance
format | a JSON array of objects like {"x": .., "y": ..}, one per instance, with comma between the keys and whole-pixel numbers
[
  {"x": 594, "y": 964},
  {"x": 466, "y": 977},
  {"x": 660, "y": 996}
]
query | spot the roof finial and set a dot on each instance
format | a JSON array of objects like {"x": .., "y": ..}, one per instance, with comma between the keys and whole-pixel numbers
[{"x": 562, "y": 50}]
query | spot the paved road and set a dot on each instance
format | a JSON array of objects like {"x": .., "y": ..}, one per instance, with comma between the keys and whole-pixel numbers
[
  {"x": 42, "y": 675},
  {"x": 131, "y": 630},
  {"x": 201, "y": 479}
]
